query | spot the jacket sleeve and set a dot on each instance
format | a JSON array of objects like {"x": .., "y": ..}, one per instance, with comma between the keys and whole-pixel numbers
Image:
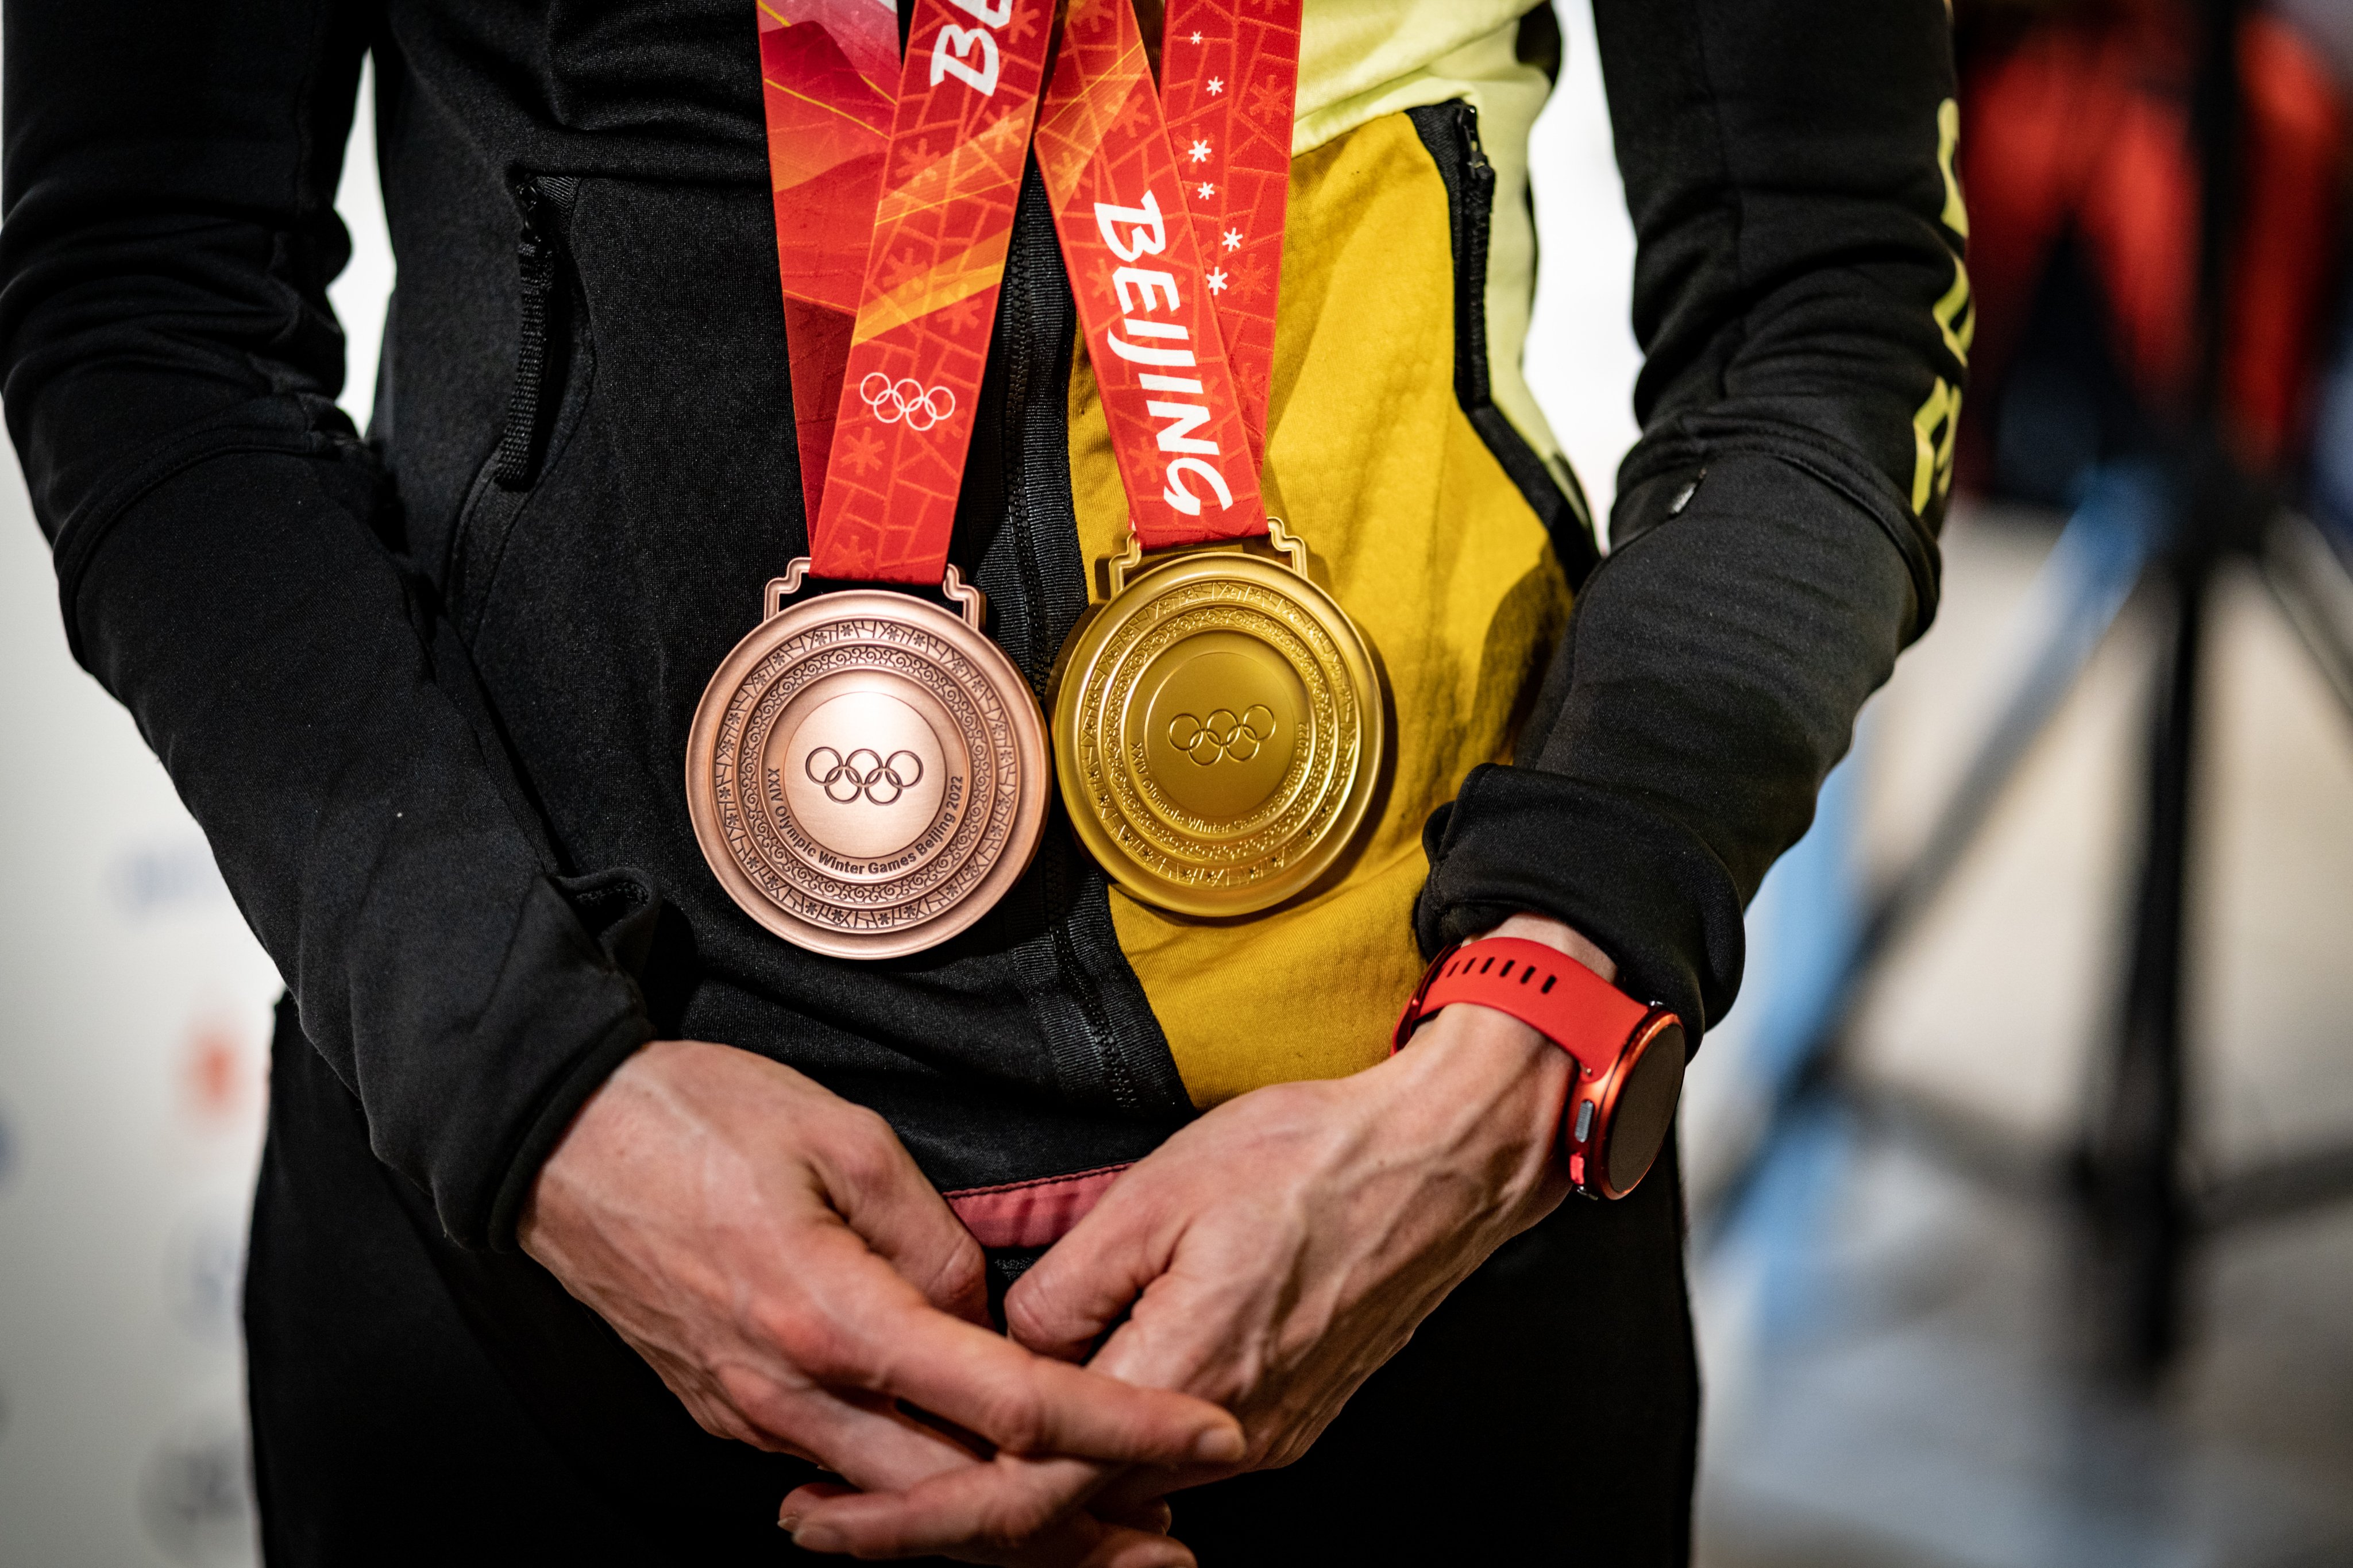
[
  {"x": 1800, "y": 298},
  {"x": 227, "y": 564}
]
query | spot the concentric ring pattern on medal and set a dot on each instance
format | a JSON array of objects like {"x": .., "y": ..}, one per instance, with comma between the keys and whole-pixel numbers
[
  {"x": 866, "y": 774},
  {"x": 1218, "y": 734}
]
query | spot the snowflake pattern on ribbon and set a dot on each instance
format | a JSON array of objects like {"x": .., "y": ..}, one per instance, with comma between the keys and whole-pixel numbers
[
  {"x": 826, "y": 71},
  {"x": 1171, "y": 395},
  {"x": 1244, "y": 185},
  {"x": 894, "y": 210}
]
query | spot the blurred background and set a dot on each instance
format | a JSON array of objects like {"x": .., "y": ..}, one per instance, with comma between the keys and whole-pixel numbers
[{"x": 2022, "y": 1174}]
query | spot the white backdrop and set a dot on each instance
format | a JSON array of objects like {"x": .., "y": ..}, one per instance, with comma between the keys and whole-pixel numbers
[{"x": 132, "y": 1068}]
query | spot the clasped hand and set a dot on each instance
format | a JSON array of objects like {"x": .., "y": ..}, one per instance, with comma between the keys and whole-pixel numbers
[
  {"x": 775, "y": 1253},
  {"x": 1367, "y": 1199}
]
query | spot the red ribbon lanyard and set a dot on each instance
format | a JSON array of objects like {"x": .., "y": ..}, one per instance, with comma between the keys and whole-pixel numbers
[
  {"x": 824, "y": 70},
  {"x": 1229, "y": 83},
  {"x": 1169, "y": 206},
  {"x": 1171, "y": 229},
  {"x": 931, "y": 207}
]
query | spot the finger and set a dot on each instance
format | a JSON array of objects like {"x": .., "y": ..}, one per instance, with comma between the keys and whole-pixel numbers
[
  {"x": 877, "y": 1336},
  {"x": 801, "y": 1498},
  {"x": 1075, "y": 1541},
  {"x": 1070, "y": 1298},
  {"x": 1149, "y": 1513},
  {"x": 874, "y": 1185},
  {"x": 1083, "y": 1543},
  {"x": 999, "y": 1507},
  {"x": 875, "y": 1446},
  {"x": 1137, "y": 1496},
  {"x": 1190, "y": 1329},
  {"x": 1029, "y": 1405},
  {"x": 1124, "y": 1548}
]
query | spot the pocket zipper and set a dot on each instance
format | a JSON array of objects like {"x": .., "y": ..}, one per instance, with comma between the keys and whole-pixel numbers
[{"x": 545, "y": 201}]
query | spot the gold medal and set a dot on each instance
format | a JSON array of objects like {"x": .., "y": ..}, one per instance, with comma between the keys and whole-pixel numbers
[
  {"x": 866, "y": 772},
  {"x": 1218, "y": 726},
  {"x": 1218, "y": 729}
]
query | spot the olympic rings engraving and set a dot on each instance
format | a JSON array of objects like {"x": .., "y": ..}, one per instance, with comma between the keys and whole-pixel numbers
[
  {"x": 1221, "y": 735},
  {"x": 907, "y": 399},
  {"x": 862, "y": 773}
]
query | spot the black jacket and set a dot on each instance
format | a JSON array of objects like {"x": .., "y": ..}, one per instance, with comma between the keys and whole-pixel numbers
[{"x": 428, "y": 693}]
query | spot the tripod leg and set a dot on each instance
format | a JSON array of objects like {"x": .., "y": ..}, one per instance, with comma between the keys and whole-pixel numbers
[
  {"x": 2075, "y": 598},
  {"x": 2133, "y": 1166}
]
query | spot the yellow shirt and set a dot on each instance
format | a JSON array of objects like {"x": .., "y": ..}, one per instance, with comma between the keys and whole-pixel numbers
[
  {"x": 1413, "y": 524},
  {"x": 1360, "y": 59}
]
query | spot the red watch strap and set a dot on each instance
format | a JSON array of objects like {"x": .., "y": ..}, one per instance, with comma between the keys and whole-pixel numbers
[
  {"x": 1629, "y": 1058},
  {"x": 1541, "y": 987}
]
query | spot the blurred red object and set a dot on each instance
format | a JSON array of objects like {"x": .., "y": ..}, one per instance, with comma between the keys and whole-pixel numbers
[
  {"x": 2079, "y": 123},
  {"x": 217, "y": 1072}
]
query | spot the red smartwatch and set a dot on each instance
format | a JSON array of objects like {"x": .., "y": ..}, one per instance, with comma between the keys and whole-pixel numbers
[{"x": 1629, "y": 1058}]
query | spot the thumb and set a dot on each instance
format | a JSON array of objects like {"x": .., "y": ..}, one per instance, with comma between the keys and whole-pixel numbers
[{"x": 1087, "y": 1281}]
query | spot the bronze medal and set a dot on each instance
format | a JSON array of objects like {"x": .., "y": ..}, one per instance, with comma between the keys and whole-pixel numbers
[
  {"x": 867, "y": 771},
  {"x": 1218, "y": 730}
]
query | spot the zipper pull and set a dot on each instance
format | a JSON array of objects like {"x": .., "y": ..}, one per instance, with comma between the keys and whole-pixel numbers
[{"x": 542, "y": 203}]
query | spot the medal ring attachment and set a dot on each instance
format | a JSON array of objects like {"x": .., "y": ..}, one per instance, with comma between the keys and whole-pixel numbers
[
  {"x": 1218, "y": 729},
  {"x": 867, "y": 771}
]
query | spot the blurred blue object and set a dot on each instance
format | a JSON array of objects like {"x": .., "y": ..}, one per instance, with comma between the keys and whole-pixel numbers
[
  {"x": 1812, "y": 902},
  {"x": 1809, "y": 916},
  {"x": 1819, "y": 942}
]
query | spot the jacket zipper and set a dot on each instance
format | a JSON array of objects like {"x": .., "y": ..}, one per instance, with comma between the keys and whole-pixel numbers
[
  {"x": 1451, "y": 133},
  {"x": 1105, "y": 1029},
  {"x": 544, "y": 203},
  {"x": 1022, "y": 500}
]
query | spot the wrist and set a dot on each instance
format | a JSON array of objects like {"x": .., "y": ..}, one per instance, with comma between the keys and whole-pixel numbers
[
  {"x": 1627, "y": 1057},
  {"x": 1558, "y": 934},
  {"x": 1481, "y": 1086},
  {"x": 1495, "y": 1044},
  {"x": 594, "y": 1126},
  {"x": 1490, "y": 1059}
]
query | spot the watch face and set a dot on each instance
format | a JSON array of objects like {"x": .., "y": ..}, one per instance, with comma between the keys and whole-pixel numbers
[{"x": 1645, "y": 1109}]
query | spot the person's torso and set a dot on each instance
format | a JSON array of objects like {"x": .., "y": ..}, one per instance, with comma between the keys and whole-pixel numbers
[{"x": 599, "y": 517}]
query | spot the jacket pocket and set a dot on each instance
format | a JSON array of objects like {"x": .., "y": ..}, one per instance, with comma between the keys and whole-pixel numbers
[
  {"x": 554, "y": 362},
  {"x": 1451, "y": 133}
]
